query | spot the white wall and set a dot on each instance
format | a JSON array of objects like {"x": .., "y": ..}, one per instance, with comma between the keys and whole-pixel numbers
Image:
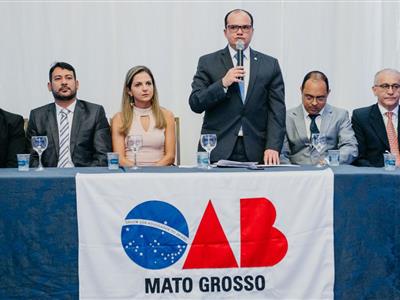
[{"x": 102, "y": 40}]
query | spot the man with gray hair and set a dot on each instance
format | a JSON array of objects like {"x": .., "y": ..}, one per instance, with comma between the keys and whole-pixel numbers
[{"x": 377, "y": 126}]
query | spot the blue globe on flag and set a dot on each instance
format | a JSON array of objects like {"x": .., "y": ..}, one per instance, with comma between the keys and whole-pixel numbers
[{"x": 155, "y": 234}]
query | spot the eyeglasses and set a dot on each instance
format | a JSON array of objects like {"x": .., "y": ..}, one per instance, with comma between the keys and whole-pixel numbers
[
  {"x": 235, "y": 28},
  {"x": 318, "y": 98},
  {"x": 387, "y": 86}
]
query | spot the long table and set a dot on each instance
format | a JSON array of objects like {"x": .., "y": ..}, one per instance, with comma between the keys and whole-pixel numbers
[{"x": 39, "y": 236}]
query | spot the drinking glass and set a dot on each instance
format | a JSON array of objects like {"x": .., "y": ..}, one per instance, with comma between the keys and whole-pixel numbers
[
  {"x": 208, "y": 142},
  {"x": 318, "y": 141},
  {"x": 39, "y": 144},
  {"x": 134, "y": 143}
]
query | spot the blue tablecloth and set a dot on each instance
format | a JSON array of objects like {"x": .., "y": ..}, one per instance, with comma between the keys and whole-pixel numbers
[{"x": 39, "y": 239}]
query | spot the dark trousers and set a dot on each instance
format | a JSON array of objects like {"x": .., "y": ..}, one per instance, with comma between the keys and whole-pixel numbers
[{"x": 239, "y": 152}]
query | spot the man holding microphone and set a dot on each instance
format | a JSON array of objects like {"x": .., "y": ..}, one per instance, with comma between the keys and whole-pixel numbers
[{"x": 241, "y": 92}]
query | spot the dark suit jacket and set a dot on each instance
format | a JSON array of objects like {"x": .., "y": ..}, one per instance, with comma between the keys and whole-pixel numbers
[
  {"x": 262, "y": 116},
  {"x": 371, "y": 135},
  {"x": 12, "y": 138},
  {"x": 90, "y": 134}
]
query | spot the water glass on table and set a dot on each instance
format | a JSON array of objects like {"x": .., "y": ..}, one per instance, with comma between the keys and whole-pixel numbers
[
  {"x": 23, "y": 162},
  {"x": 208, "y": 141},
  {"x": 202, "y": 160},
  {"x": 318, "y": 141},
  {"x": 113, "y": 160},
  {"x": 39, "y": 144},
  {"x": 389, "y": 160},
  {"x": 333, "y": 157},
  {"x": 134, "y": 142}
]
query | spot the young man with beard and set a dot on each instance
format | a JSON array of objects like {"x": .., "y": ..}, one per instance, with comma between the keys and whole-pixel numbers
[{"x": 78, "y": 132}]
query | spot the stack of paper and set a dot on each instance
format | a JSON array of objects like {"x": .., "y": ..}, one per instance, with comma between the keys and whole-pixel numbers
[{"x": 236, "y": 164}]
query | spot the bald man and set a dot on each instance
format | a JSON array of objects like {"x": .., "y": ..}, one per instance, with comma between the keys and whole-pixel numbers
[{"x": 377, "y": 126}]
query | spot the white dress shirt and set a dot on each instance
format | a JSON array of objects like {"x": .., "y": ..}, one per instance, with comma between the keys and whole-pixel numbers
[
  {"x": 71, "y": 109},
  {"x": 246, "y": 65},
  {"x": 307, "y": 120}
]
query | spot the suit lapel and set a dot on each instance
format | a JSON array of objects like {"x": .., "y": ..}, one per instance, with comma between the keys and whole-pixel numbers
[
  {"x": 3, "y": 132},
  {"x": 228, "y": 64},
  {"x": 253, "y": 73},
  {"x": 378, "y": 125},
  {"x": 78, "y": 115},
  {"x": 300, "y": 125},
  {"x": 226, "y": 59},
  {"x": 326, "y": 118},
  {"x": 2, "y": 121},
  {"x": 52, "y": 120}
]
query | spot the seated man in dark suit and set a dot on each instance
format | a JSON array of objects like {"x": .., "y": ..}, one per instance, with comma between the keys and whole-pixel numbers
[
  {"x": 78, "y": 132},
  {"x": 12, "y": 138},
  {"x": 377, "y": 126},
  {"x": 315, "y": 115}
]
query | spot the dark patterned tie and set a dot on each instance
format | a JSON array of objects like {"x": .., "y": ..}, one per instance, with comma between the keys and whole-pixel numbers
[{"x": 313, "y": 125}]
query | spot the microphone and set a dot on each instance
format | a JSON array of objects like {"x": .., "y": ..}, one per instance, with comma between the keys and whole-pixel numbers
[{"x": 239, "y": 54}]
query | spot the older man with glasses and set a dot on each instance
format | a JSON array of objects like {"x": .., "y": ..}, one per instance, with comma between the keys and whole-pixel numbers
[
  {"x": 241, "y": 93},
  {"x": 377, "y": 126}
]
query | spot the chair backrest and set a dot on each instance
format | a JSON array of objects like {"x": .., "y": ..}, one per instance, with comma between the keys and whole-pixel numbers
[
  {"x": 25, "y": 124},
  {"x": 178, "y": 142}
]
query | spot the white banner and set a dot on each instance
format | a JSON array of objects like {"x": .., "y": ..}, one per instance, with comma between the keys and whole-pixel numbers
[{"x": 250, "y": 235}]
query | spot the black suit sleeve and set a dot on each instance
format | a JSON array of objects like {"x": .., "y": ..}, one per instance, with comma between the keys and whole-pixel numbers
[
  {"x": 101, "y": 140},
  {"x": 30, "y": 132},
  {"x": 276, "y": 111},
  {"x": 16, "y": 141},
  {"x": 362, "y": 160},
  {"x": 206, "y": 90}
]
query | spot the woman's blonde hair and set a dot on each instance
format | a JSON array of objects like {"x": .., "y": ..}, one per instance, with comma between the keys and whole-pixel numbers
[{"x": 128, "y": 101}]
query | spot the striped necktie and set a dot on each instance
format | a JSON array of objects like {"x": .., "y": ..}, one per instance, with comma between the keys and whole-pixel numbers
[
  {"x": 392, "y": 136},
  {"x": 63, "y": 158}
]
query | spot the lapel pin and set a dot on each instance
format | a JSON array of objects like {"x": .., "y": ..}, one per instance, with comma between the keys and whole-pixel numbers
[{"x": 255, "y": 58}]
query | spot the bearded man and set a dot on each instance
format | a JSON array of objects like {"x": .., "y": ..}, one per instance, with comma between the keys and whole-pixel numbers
[{"x": 78, "y": 132}]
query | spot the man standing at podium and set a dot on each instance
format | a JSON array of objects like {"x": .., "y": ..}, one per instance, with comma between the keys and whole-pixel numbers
[
  {"x": 78, "y": 132},
  {"x": 241, "y": 93}
]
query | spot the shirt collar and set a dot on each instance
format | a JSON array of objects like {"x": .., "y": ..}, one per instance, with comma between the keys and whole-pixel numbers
[
  {"x": 71, "y": 107},
  {"x": 246, "y": 52},
  {"x": 384, "y": 110},
  {"x": 305, "y": 113}
]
